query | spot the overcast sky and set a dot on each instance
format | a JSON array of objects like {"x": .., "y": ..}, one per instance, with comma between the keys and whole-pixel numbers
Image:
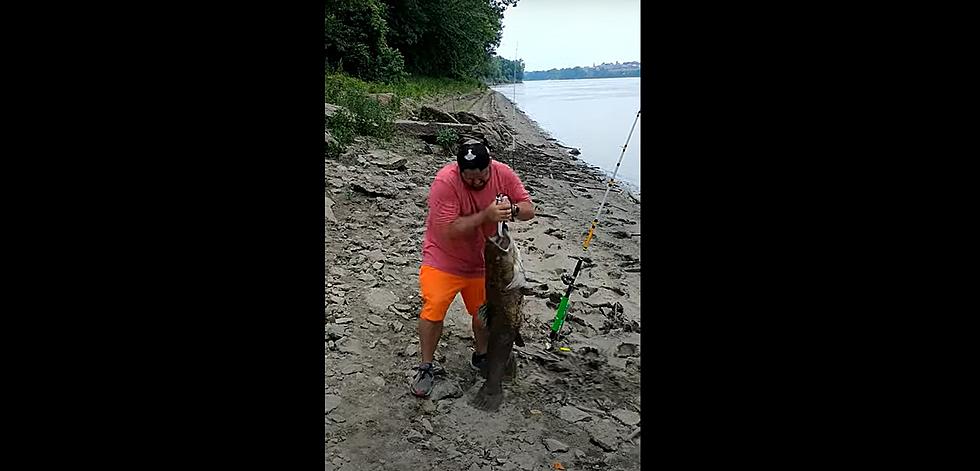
[{"x": 568, "y": 33}]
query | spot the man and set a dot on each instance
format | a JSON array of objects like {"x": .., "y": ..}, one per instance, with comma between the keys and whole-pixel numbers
[{"x": 463, "y": 213}]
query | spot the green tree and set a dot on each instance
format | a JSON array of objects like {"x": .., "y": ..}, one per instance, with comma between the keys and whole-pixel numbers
[
  {"x": 355, "y": 41},
  {"x": 446, "y": 38}
]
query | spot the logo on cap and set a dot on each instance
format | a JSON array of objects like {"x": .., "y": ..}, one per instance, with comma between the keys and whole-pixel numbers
[{"x": 469, "y": 155}]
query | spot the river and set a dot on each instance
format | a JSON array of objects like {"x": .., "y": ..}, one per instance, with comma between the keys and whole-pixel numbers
[{"x": 593, "y": 115}]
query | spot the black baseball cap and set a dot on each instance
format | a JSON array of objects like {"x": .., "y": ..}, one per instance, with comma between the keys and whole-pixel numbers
[{"x": 472, "y": 155}]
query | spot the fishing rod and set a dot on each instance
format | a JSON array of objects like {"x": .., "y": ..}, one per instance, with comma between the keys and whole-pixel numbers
[
  {"x": 514, "y": 104},
  {"x": 563, "y": 305}
]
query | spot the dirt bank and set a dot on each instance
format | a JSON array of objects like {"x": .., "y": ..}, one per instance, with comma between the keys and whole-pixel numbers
[{"x": 587, "y": 399}]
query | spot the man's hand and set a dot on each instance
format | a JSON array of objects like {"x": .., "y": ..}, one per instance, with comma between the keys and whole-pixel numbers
[{"x": 497, "y": 212}]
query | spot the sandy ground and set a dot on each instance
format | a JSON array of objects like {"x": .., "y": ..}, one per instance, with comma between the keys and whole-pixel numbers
[{"x": 578, "y": 408}]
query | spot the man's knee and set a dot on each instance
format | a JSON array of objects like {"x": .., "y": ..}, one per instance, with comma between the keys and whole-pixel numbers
[{"x": 428, "y": 322}]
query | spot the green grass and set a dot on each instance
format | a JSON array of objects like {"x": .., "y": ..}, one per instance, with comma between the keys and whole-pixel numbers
[
  {"x": 367, "y": 116},
  {"x": 411, "y": 87},
  {"x": 419, "y": 87}
]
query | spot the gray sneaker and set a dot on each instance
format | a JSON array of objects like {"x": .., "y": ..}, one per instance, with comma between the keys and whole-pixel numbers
[{"x": 422, "y": 385}]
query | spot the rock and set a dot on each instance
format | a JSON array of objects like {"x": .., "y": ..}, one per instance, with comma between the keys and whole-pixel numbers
[
  {"x": 604, "y": 434},
  {"x": 410, "y": 350},
  {"x": 590, "y": 410},
  {"x": 330, "y": 402},
  {"x": 468, "y": 118},
  {"x": 572, "y": 414},
  {"x": 328, "y": 139},
  {"x": 375, "y": 319},
  {"x": 349, "y": 345},
  {"x": 366, "y": 277},
  {"x": 490, "y": 135},
  {"x": 428, "y": 113},
  {"x": 555, "y": 445},
  {"x": 328, "y": 210},
  {"x": 338, "y": 271},
  {"x": 627, "y": 417},
  {"x": 402, "y": 307},
  {"x": 414, "y": 436},
  {"x": 379, "y": 299},
  {"x": 396, "y": 326},
  {"x": 427, "y": 425},
  {"x": 377, "y": 265},
  {"x": 396, "y": 163},
  {"x": 334, "y": 331},
  {"x": 574, "y": 151},
  {"x": 627, "y": 349},
  {"x": 445, "y": 389},
  {"x": 331, "y": 345},
  {"x": 427, "y": 149},
  {"x": 351, "y": 368},
  {"x": 344, "y": 320},
  {"x": 379, "y": 381},
  {"x": 330, "y": 109},
  {"x": 372, "y": 186}
]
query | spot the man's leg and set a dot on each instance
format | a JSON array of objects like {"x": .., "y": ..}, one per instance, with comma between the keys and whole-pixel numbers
[
  {"x": 480, "y": 335},
  {"x": 475, "y": 295},
  {"x": 438, "y": 290},
  {"x": 429, "y": 333}
]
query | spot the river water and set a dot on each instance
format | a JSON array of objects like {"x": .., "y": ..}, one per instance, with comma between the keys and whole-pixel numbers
[{"x": 593, "y": 115}]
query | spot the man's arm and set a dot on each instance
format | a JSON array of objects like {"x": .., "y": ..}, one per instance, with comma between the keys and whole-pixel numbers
[
  {"x": 464, "y": 226},
  {"x": 520, "y": 197},
  {"x": 525, "y": 210}
]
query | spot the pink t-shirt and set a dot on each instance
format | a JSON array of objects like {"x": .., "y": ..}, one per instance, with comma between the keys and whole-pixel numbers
[{"x": 450, "y": 198}]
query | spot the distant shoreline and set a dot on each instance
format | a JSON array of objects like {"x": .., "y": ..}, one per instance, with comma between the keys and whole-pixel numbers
[
  {"x": 606, "y": 70},
  {"x": 581, "y": 78}
]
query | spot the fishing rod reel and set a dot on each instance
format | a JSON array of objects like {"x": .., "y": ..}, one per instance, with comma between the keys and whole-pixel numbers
[{"x": 554, "y": 335}]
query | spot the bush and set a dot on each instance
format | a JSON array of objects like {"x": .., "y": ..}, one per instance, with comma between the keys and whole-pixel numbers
[
  {"x": 365, "y": 115},
  {"x": 447, "y": 138}
]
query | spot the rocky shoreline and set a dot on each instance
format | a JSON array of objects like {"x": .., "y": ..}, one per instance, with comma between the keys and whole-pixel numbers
[{"x": 579, "y": 408}]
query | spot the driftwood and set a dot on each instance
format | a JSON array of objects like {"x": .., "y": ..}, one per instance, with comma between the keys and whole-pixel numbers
[
  {"x": 425, "y": 128},
  {"x": 429, "y": 113}
]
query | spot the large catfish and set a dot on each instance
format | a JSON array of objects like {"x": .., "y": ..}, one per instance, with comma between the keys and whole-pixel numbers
[{"x": 501, "y": 315}]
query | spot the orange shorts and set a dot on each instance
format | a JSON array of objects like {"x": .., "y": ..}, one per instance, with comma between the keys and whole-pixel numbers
[{"x": 439, "y": 288}]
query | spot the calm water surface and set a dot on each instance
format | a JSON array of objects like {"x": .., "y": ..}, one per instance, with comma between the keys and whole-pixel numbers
[{"x": 593, "y": 115}]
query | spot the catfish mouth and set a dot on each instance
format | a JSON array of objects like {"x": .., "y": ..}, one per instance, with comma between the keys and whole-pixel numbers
[{"x": 502, "y": 239}]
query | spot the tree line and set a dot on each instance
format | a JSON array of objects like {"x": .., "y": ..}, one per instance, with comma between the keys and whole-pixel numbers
[
  {"x": 501, "y": 70},
  {"x": 384, "y": 40},
  {"x": 629, "y": 69}
]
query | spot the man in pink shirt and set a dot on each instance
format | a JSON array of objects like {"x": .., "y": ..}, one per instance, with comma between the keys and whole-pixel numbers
[{"x": 463, "y": 213}]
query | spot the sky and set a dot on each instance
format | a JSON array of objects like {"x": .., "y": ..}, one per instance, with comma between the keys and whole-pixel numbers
[{"x": 567, "y": 33}]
